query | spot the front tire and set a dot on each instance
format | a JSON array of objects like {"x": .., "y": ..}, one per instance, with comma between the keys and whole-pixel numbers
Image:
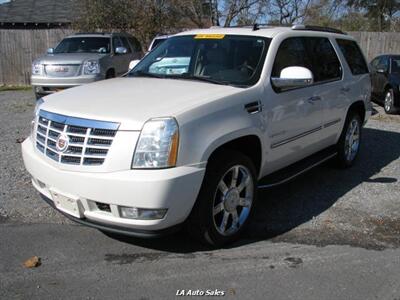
[
  {"x": 350, "y": 140},
  {"x": 388, "y": 103},
  {"x": 226, "y": 199}
]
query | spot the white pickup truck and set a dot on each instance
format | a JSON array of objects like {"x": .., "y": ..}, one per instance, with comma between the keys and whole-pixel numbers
[{"x": 191, "y": 132}]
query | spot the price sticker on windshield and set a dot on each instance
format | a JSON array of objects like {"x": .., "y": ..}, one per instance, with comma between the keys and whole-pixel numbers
[{"x": 210, "y": 36}]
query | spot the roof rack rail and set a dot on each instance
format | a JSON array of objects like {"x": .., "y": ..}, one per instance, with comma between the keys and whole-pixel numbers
[
  {"x": 93, "y": 32},
  {"x": 317, "y": 28},
  {"x": 254, "y": 26}
]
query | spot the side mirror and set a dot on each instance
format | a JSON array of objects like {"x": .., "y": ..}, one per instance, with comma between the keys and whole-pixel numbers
[
  {"x": 292, "y": 77},
  {"x": 50, "y": 51},
  {"x": 133, "y": 64},
  {"x": 121, "y": 50}
]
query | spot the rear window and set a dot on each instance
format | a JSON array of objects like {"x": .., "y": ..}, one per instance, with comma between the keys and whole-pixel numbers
[{"x": 353, "y": 56}]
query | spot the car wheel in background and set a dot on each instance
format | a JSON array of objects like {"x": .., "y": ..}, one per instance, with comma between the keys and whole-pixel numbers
[
  {"x": 226, "y": 199},
  {"x": 388, "y": 103},
  {"x": 350, "y": 140},
  {"x": 110, "y": 74}
]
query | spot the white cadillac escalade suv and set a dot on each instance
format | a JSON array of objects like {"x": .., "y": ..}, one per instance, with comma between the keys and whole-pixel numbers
[{"x": 191, "y": 132}]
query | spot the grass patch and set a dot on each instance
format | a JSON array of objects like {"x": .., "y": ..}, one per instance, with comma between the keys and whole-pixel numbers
[{"x": 15, "y": 88}]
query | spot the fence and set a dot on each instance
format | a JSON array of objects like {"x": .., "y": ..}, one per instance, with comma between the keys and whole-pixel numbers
[{"x": 18, "y": 48}]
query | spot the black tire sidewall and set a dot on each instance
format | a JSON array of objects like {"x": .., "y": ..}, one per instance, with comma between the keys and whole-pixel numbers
[
  {"x": 341, "y": 156},
  {"x": 201, "y": 219},
  {"x": 392, "y": 108}
]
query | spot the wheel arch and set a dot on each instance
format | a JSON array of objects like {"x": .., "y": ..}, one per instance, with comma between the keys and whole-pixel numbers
[
  {"x": 359, "y": 107},
  {"x": 249, "y": 144},
  {"x": 110, "y": 70}
]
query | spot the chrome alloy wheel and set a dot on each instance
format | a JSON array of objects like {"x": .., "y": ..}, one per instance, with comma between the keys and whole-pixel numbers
[
  {"x": 232, "y": 200},
  {"x": 352, "y": 141},
  {"x": 388, "y": 101}
]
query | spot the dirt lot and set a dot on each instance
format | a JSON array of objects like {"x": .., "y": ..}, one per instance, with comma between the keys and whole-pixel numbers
[
  {"x": 359, "y": 206},
  {"x": 330, "y": 234}
]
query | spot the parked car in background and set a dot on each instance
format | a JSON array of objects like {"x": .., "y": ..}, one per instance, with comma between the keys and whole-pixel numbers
[
  {"x": 385, "y": 77},
  {"x": 189, "y": 145},
  {"x": 84, "y": 58},
  {"x": 157, "y": 41}
]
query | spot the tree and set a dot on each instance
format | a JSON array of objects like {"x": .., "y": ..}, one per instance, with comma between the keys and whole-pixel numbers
[
  {"x": 381, "y": 12},
  {"x": 287, "y": 12}
]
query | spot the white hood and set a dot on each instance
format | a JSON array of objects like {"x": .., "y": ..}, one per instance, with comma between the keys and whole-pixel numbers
[{"x": 133, "y": 101}]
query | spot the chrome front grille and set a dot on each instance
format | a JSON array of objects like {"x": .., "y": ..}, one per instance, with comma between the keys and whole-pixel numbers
[
  {"x": 71, "y": 70},
  {"x": 88, "y": 140}
]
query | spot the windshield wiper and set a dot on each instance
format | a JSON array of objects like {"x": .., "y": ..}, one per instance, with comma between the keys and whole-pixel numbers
[
  {"x": 200, "y": 78},
  {"x": 145, "y": 74}
]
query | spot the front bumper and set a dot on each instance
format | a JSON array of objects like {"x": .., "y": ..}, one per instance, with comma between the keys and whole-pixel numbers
[
  {"x": 44, "y": 85},
  {"x": 174, "y": 189}
]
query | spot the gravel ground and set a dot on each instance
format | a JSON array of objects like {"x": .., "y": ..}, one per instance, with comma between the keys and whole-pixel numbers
[{"x": 357, "y": 207}]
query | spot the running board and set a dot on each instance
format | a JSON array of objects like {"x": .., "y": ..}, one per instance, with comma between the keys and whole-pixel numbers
[{"x": 291, "y": 172}]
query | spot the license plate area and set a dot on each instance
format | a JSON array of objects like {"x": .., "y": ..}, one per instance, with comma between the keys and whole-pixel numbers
[{"x": 67, "y": 204}]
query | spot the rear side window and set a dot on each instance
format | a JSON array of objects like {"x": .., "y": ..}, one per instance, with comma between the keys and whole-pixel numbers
[
  {"x": 353, "y": 56},
  {"x": 135, "y": 44},
  {"x": 325, "y": 63}
]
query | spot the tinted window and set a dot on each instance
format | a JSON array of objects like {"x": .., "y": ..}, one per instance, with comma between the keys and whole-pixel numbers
[
  {"x": 375, "y": 63},
  {"x": 353, "y": 56},
  {"x": 84, "y": 45},
  {"x": 396, "y": 64},
  {"x": 126, "y": 44},
  {"x": 315, "y": 54},
  {"x": 384, "y": 63},
  {"x": 325, "y": 63},
  {"x": 291, "y": 53},
  {"x": 135, "y": 44},
  {"x": 224, "y": 59},
  {"x": 117, "y": 42}
]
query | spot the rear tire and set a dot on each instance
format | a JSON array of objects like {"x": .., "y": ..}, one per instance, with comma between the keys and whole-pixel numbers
[
  {"x": 349, "y": 143},
  {"x": 224, "y": 204},
  {"x": 388, "y": 102}
]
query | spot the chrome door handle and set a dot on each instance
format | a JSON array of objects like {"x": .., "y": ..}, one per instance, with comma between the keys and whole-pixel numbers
[
  {"x": 253, "y": 107},
  {"x": 345, "y": 89},
  {"x": 314, "y": 99}
]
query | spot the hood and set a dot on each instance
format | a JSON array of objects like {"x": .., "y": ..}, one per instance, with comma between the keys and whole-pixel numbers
[
  {"x": 133, "y": 101},
  {"x": 68, "y": 58}
]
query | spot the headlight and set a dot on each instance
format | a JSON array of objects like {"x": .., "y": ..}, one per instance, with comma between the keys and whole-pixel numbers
[
  {"x": 91, "y": 67},
  {"x": 39, "y": 102},
  {"x": 157, "y": 146},
  {"x": 37, "y": 68}
]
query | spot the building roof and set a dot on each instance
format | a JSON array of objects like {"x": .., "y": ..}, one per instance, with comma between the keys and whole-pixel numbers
[{"x": 50, "y": 12}]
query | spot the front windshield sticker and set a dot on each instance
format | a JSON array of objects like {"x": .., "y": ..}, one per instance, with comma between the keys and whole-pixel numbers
[{"x": 210, "y": 36}]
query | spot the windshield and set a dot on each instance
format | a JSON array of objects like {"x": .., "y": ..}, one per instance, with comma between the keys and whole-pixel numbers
[
  {"x": 221, "y": 59},
  {"x": 84, "y": 45}
]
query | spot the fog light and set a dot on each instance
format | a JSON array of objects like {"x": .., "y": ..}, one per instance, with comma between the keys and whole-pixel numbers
[{"x": 141, "y": 213}]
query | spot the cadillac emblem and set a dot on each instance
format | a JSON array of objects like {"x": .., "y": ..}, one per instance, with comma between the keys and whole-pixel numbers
[{"x": 62, "y": 142}]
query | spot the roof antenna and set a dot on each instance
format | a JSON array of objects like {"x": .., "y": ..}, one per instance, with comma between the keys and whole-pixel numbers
[{"x": 255, "y": 27}]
